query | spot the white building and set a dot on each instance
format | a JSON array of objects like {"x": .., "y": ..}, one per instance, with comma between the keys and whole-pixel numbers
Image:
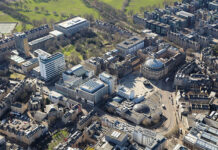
[
  {"x": 126, "y": 93},
  {"x": 51, "y": 66},
  {"x": 55, "y": 97},
  {"x": 71, "y": 26},
  {"x": 110, "y": 80}
]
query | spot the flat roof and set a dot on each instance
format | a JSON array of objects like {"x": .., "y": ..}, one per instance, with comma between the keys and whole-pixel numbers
[
  {"x": 42, "y": 39},
  {"x": 116, "y": 134},
  {"x": 30, "y": 62},
  {"x": 72, "y": 22},
  {"x": 42, "y": 52},
  {"x": 17, "y": 59},
  {"x": 92, "y": 85},
  {"x": 56, "y": 33},
  {"x": 184, "y": 14},
  {"x": 130, "y": 42}
]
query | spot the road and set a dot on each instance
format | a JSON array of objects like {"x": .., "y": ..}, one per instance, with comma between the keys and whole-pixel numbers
[{"x": 170, "y": 112}]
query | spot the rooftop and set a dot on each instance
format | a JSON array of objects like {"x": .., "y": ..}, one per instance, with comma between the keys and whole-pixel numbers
[
  {"x": 17, "y": 59},
  {"x": 72, "y": 22},
  {"x": 154, "y": 64},
  {"x": 184, "y": 14},
  {"x": 41, "y": 52},
  {"x": 92, "y": 85},
  {"x": 30, "y": 62},
  {"x": 130, "y": 42},
  {"x": 42, "y": 39},
  {"x": 116, "y": 134},
  {"x": 56, "y": 33}
]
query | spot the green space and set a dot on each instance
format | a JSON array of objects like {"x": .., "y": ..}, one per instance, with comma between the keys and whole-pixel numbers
[
  {"x": 118, "y": 4},
  {"x": 69, "y": 50},
  {"x": 17, "y": 76},
  {"x": 137, "y": 5},
  {"x": 6, "y": 18},
  {"x": 54, "y": 9},
  {"x": 58, "y": 138}
]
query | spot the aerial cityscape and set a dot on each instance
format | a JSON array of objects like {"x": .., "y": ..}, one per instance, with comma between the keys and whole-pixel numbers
[{"x": 108, "y": 75}]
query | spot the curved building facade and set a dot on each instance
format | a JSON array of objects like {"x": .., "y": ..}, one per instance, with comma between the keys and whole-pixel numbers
[
  {"x": 164, "y": 61},
  {"x": 153, "y": 69}
]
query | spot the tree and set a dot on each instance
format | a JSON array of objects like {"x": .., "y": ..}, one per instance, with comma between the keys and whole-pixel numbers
[
  {"x": 42, "y": 9},
  {"x": 23, "y": 26},
  {"x": 36, "y": 9},
  {"x": 131, "y": 12},
  {"x": 47, "y": 13},
  {"x": 55, "y": 13}
]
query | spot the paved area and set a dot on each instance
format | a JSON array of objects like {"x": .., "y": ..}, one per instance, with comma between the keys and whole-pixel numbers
[
  {"x": 7, "y": 27},
  {"x": 134, "y": 81}
]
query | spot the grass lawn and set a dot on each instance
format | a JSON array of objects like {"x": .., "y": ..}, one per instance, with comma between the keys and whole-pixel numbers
[
  {"x": 6, "y": 18},
  {"x": 17, "y": 76},
  {"x": 118, "y": 4},
  {"x": 74, "y": 7},
  {"x": 135, "y": 5},
  {"x": 58, "y": 138}
]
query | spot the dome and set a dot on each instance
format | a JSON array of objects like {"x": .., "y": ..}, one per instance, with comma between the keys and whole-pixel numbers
[
  {"x": 154, "y": 64},
  {"x": 141, "y": 108}
]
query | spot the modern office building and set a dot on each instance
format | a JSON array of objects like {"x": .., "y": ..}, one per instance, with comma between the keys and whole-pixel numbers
[
  {"x": 51, "y": 66},
  {"x": 131, "y": 45},
  {"x": 72, "y": 26},
  {"x": 93, "y": 91},
  {"x": 110, "y": 80}
]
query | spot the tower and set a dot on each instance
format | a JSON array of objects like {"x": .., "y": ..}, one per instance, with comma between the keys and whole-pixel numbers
[{"x": 21, "y": 43}]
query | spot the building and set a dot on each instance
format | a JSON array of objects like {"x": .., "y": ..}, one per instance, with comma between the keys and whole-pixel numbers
[
  {"x": 180, "y": 147},
  {"x": 17, "y": 60},
  {"x": 126, "y": 93},
  {"x": 131, "y": 45},
  {"x": 26, "y": 132},
  {"x": 164, "y": 61},
  {"x": 57, "y": 34},
  {"x": 39, "y": 52},
  {"x": 21, "y": 43},
  {"x": 93, "y": 91},
  {"x": 41, "y": 43},
  {"x": 72, "y": 26},
  {"x": 51, "y": 66},
  {"x": 110, "y": 80},
  {"x": 148, "y": 138},
  {"x": 157, "y": 27},
  {"x": 201, "y": 137},
  {"x": 38, "y": 32},
  {"x": 35, "y": 102},
  {"x": 116, "y": 137},
  {"x": 94, "y": 63},
  {"x": 29, "y": 65},
  {"x": 18, "y": 107},
  {"x": 188, "y": 16},
  {"x": 55, "y": 97},
  {"x": 72, "y": 79}
]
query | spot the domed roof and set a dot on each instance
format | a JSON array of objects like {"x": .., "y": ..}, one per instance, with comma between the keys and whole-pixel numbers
[
  {"x": 154, "y": 64},
  {"x": 141, "y": 108}
]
